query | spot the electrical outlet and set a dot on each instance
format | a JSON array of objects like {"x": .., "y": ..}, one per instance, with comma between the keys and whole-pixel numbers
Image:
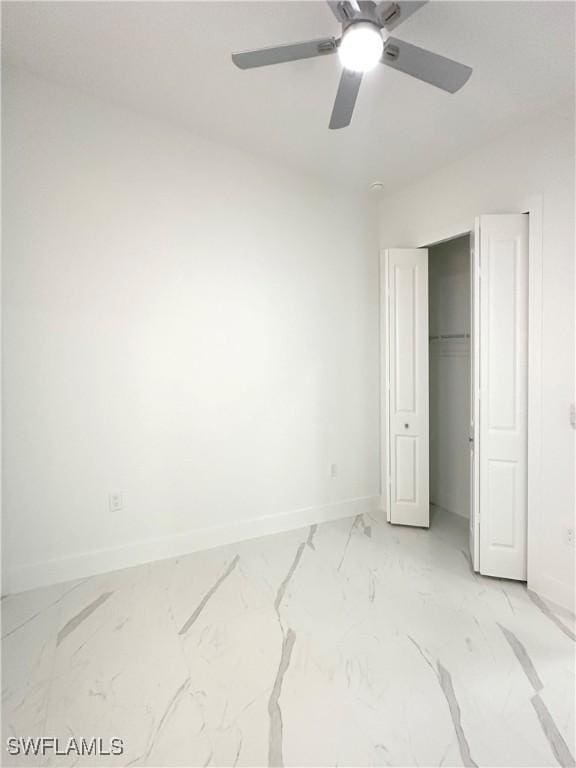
[
  {"x": 115, "y": 502},
  {"x": 333, "y": 470}
]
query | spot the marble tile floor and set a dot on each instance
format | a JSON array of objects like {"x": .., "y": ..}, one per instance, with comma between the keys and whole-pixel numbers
[{"x": 352, "y": 643}]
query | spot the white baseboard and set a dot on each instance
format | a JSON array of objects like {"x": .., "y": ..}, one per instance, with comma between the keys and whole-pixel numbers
[
  {"x": 92, "y": 563},
  {"x": 448, "y": 503}
]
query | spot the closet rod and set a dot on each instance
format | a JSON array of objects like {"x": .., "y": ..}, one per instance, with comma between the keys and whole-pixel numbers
[{"x": 450, "y": 336}]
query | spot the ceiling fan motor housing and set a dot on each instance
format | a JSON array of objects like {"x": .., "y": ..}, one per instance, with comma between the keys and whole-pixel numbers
[{"x": 368, "y": 15}]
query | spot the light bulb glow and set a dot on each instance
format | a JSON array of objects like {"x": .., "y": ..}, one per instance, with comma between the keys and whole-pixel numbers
[{"x": 361, "y": 47}]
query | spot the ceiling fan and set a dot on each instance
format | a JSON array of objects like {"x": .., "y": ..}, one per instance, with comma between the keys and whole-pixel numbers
[{"x": 365, "y": 42}]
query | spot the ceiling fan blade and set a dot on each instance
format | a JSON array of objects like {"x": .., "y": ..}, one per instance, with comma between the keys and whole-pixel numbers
[
  {"x": 345, "y": 99},
  {"x": 424, "y": 65},
  {"x": 279, "y": 54},
  {"x": 392, "y": 14}
]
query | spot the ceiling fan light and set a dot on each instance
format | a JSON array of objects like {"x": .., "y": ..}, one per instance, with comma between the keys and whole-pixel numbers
[{"x": 361, "y": 47}]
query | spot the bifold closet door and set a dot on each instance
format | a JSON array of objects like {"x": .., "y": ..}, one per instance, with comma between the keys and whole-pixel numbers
[
  {"x": 502, "y": 341},
  {"x": 406, "y": 351}
]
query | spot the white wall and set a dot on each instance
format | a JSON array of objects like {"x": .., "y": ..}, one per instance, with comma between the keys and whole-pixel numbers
[
  {"x": 183, "y": 324},
  {"x": 449, "y": 287},
  {"x": 537, "y": 159},
  {"x": 449, "y": 314}
]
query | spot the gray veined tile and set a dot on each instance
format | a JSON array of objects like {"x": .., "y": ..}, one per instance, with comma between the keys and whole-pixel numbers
[
  {"x": 366, "y": 529},
  {"x": 546, "y": 610},
  {"x": 350, "y": 532},
  {"x": 81, "y": 616},
  {"x": 117, "y": 669},
  {"x": 311, "y": 534},
  {"x": 18, "y": 611},
  {"x": 348, "y": 677},
  {"x": 29, "y": 623},
  {"x": 555, "y": 739},
  {"x": 445, "y": 680},
  {"x": 198, "y": 610},
  {"x": 523, "y": 658},
  {"x": 164, "y": 718},
  {"x": 275, "y": 751},
  {"x": 422, "y": 654},
  {"x": 284, "y": 585},
  {"x": 371, "y": 586}
]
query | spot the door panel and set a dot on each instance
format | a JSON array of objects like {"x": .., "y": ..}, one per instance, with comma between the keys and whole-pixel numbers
[
  {"x": 407, "y": 423},
  {"x": 502, "y": 438},
  {"x": 406, "y": 469}
]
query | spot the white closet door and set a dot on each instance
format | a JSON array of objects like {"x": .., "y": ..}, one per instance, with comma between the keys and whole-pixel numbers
[
  {"x": 407, "y": 379},
  {"x": 503, "y": 345},
  {"x": 474, "y": 533}
]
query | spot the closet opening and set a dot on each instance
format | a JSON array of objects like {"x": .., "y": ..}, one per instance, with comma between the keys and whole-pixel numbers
[
  {"x": 456, "y": 361},
  {"x": 450, "y": 377}
]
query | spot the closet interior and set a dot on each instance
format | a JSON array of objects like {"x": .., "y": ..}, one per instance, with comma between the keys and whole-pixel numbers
[{"x": 450, "y": 374}]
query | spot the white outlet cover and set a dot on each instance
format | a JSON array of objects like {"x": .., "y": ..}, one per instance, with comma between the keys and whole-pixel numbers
[{"x": 115, "y": 502}]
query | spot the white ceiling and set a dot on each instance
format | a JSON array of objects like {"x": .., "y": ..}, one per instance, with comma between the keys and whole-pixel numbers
[{"x": 173, "y": 60}]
